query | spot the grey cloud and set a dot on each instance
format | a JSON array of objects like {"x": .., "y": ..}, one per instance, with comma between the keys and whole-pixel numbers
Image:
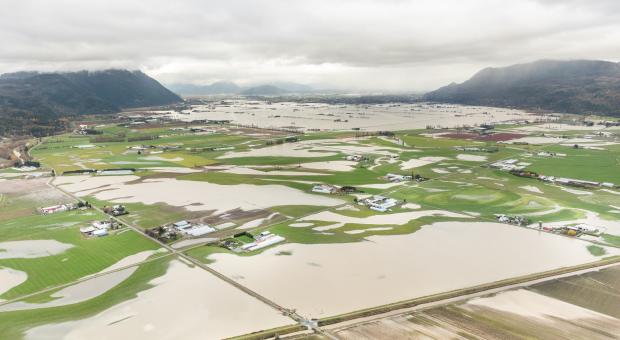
[{"x": 396, "y": 44}]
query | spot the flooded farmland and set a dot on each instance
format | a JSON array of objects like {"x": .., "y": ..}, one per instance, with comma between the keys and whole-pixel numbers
[
  {"x": 189, "y": 194},
  {"x": 343, "y": 117},
  {"x": 578, "y": 307},
  {"x": 185, "y": 303},
  {"x": 384, "y": 269}
]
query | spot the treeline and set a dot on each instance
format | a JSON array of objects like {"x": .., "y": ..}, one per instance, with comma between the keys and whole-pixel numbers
[
  {"x": 23, "y": 122},
  {"x": 122, "y": 137},
  {"x": 279, "y": 141}
]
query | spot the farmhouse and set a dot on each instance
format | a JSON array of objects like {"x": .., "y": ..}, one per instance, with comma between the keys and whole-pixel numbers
[
  {"x": 115, "y": 210},
  {"x": 97, "y": 229},
  {"x": 57, "y": 208},
  {"x": 354, "y": 158},
  {"x": 550, "y": 154},
  {"x": 102, "y": 224},
  {"x": 587, "y": 229},
  {"x": 508, "y": 165},
  {"x": 264, "y": 239},
  {"x": 192, "y": 230},
  {"x": 516, "y": 220},
  {"x": 199, "y": 230},
  {"x": 395, "y": 178},
  {"x": 379, "y": 203},
  {"x": 182, "y": 225},
  {"x": 324, "y": 188}
]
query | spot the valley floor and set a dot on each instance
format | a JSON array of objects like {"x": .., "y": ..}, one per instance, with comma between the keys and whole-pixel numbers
[{"x": 213, "y": 230}]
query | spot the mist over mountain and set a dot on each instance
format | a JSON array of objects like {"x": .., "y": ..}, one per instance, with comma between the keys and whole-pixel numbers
[
  {"x": 222, "y": 87},
  {"x": 263, "y": 90},
  {"x": 577, "y": 86},
  {"x": 225, "y": 87},
  {"x": 39, "y": 99}
]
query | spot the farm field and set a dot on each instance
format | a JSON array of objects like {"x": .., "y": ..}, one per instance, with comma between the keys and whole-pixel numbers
[
  {"x": 583, "y": 306},
  {"x": 225, "y": 223}
]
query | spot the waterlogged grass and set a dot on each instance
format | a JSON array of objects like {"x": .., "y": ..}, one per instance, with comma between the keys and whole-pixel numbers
[
  {"x": 488, "y": 192},
  {"x": 147, "y": 216},
  {"x": 87, "y": 256},
  {"x": 307, "y": 235},
  {"x": 13, "y": 325},
  {"x": 593, "y": 165},
  {"x": 612, "y": 239},
  {"x": 61, "y": 154},
  {"x": 296, "y": 210},
  {"x": 596, "y": 250},
  {"x": 276, "y": 160},
  {"x": 37, "y": 226},
  {"x": 417, "y": 141},
  {"x": 202, "y": 253}
]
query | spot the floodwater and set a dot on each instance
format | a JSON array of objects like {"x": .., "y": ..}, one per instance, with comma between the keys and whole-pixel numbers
[
  {"x": 282, "y": 150},
  {"x": 419, "y": 162},
  {"x": 532, "y": 188},
  {"x": 398, "y": 218},
  {"x": 87, "y": 289},
  {"x": 384, "y": 269},
  {"x": 10, "y": 278},
  {"x": 316, "y": 148},
  {"x": 343, "y": 117},
  {"x": 185, "y": 303},
  {"x": 593, "y": 219},
  {"x": 239, "y": 170},
  {"x": 331, "y": 165},
  {"x": 533, "y": 305},
  {"x": 197, "y": 195},
  {"x": 471, "y": 158},
  {"x": 31, "y": 249}
]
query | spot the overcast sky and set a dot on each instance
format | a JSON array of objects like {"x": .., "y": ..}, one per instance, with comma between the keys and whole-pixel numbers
[{"x": 394, "y": 45}]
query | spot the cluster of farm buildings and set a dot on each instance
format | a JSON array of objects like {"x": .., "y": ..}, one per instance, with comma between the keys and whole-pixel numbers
[
  {"x": 96, "y": 228},
  {"x": 192, "y": 230},
  {"x": 99, "y": 228},
  {"x": 571, "y": 230},
  {"x": 518, "y": 169},
  {"x": 252, "y": 243},
  {"x": 333, "y": 189},
  {"x": 379, "y": 203}
]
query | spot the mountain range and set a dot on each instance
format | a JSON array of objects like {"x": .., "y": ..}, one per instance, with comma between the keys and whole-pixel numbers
[
  {"x": 576, "y": 86},
  {"x": 225, "y": 87},
  {"x": 31, "y": 99},
  {"x": 42, "y": 103}
]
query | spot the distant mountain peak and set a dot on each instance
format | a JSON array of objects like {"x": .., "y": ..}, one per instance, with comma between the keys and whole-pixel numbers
[
  {"x": 572, "y": 86},
  {"x": 45, "y": 96},
  {"x": 228, "y": 87},
  {"x": 263, "y": 90}
]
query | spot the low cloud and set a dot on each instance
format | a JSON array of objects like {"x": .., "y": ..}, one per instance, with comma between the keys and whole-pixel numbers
[{"x": 393, "y": 45}]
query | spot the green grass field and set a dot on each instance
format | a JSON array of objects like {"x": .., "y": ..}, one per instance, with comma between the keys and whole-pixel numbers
[
  {"x": 88, "y": 256},
  {"x": 456, "y": 185},
  {"x": 14, "y": 324}
]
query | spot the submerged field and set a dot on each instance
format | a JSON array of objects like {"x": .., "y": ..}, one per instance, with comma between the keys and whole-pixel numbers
[
  {"x": 248, "y": 185},
  {"x": 580, "y": 307}
]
